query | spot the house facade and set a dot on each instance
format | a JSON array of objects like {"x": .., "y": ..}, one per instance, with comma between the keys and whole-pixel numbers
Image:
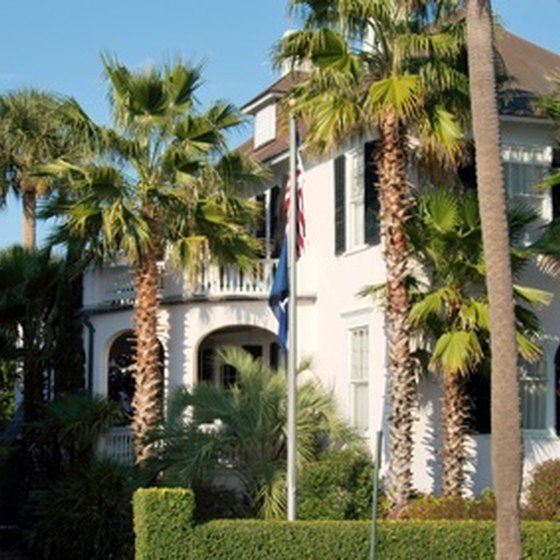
[{"x": 342, "y": 332}]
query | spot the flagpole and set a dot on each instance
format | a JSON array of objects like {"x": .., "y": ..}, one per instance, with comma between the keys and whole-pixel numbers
[{"x": 292, "y": 325}]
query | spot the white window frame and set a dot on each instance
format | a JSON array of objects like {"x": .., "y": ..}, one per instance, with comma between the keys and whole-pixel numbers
[
  {"x": 532, "y": 161},
  {"x": 355, "y": 200},
  {"x": 265, "y": 125},
  {"x": 534, "y": 385},
  {"x": 359, "y": 375}
]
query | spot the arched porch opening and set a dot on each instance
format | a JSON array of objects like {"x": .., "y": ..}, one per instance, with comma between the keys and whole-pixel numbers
[{"x": 259, "y": 342}]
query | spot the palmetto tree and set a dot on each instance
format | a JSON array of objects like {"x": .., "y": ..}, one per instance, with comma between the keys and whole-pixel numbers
[
  {"x": 164, "y": 186},
  {"x": 506, "y": 414},
  {"x": 450, "y": 306},
  {"x": 28, "y": 291},
  {"x": 383, "y": 65},
  {"x": 242, "y": 431},
  {"x": 32, "y": 133}
]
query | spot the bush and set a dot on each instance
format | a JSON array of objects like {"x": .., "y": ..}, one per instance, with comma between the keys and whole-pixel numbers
[
  {"x": 165, "y": 531},
  {"x": 348, "y": 540},
  {"x": 543, "y": 492},
  {"x": 86, "y": 514},
  {"x": 162, "y": 523},
  {"x": 432, "y": 507},
  {"x": 338, "y": 486}
]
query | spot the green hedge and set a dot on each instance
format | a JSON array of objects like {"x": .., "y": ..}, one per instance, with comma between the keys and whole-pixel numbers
[
  {"x": 162, "y": 523},
  {"x": 348, "y": 540},
  {"x": 164, "y": 531}
]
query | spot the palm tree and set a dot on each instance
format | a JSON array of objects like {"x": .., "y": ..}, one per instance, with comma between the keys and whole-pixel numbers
[
  {"x": 385, "y": 65},
  {"x": 505, "y": 414},
  {"x": 164, "y": 186},
  {"x": 28, "y": 290},
  {"x": 32, "y": 133},
  {"x": 450, "y": 306},
  {"x": 240, "y": 432}
]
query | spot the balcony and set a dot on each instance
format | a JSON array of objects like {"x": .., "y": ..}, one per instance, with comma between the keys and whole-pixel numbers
[{"x": 114, "y": 285}]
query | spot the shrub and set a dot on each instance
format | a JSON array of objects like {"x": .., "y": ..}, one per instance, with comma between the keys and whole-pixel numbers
[
  {"x": 431, "y": 507},
  {"x": 338, "y": 486},
  {"x": 543, "y": 492},
  {"x": 165, "y": 531},
  {"x": 240, "y": 432},
  {"x": 162, "y": 523},
  {"x": 348, "y": 540},
  {"x": 86, "y": 513}
]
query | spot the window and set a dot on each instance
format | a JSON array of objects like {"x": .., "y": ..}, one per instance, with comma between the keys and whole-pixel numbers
[
  {"x": 265, "y": 125},
  {"x": 359, "y": 378},
  {"x": 533, "y": 387},
  {"x": 356, "y": 200},
  {"x": 524, "y": 167}
]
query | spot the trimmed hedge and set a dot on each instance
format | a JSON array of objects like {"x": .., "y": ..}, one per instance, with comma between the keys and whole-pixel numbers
[
  {"x": 162, "y": 523},
  {"x": 348, "y": 540},
  {"x": 164, "y": 531}
]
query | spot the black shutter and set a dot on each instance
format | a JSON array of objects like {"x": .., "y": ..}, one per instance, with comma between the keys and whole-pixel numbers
[
  {"x": 371, "y": 195},
  {"x": 276, "y": 223},
  {"x": 556, "y": 188},
  {"x": 340, "y": 205},
  {"x": 467, "y": 169}
]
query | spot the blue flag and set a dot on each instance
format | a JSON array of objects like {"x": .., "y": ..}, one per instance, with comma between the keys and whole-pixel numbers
[{"x": 278, "y": 299}]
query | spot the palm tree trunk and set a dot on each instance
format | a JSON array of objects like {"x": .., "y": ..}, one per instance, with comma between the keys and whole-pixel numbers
[
  {"x": 395, "y": 204},
  {"x": 455, "y": 414},
  {"x": 29, "y": 199},
  {"x": 506, "y": 421},
  {"x": 148, "y": 377}
]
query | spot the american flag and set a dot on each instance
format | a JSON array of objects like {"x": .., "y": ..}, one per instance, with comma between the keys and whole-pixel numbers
[
  {"x": 280, "y": 291},
  {"x": 300, "y": 231}
]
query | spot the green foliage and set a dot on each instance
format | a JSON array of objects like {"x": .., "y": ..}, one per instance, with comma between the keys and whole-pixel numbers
[
  {"x": 163, "y": 523},
  {"x": 240, "y": 433},
  {"x": 337, "y": 486},
  {"x": 452, "y": 507},
  {"x": 449, "y": 302},
  {"x": 543, "y": 493},
  {"x": 7, "y": 391},
  {"x": 68, "y": 430},
  {"x": 85, "y": 514}
]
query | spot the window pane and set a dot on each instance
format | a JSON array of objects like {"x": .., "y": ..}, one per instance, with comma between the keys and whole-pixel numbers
[
  {"x": 360, "y": 399},
  {"x": 359, "y": 378},
  {"x": 533, "y": 385}
]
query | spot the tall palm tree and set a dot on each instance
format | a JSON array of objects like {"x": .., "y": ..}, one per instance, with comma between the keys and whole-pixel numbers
[
  {"x": 32, "y": 133},
  {"x": 385, "y": 65},
  {"x": 506, "y": 415},
  {"x": 450, "y": 306},
  {"x": 164, "y": 186}
]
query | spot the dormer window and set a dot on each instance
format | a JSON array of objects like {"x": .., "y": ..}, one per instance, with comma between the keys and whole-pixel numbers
[{"x": 265, "y": 125}]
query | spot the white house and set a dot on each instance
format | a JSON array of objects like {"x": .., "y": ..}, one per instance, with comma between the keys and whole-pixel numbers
[{"x": 342, "y": 332}]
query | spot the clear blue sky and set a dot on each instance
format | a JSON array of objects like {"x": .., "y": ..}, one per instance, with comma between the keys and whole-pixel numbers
[{"x": 55, "y": 45}]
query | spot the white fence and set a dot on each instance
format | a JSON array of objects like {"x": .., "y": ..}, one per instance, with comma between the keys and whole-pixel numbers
[{"x": 116, "y": 444}]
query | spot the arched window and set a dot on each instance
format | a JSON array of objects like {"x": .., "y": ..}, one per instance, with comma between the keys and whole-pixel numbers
[
  {"x": 533, "y": 386},
  {"x": 120, "y": 374}
]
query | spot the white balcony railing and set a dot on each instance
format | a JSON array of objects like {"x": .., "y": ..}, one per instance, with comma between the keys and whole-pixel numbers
[
  {"x": 230, "y": 280},
  {"x": 114, "y": 285},
  {"x": 116, "y": 444}
]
